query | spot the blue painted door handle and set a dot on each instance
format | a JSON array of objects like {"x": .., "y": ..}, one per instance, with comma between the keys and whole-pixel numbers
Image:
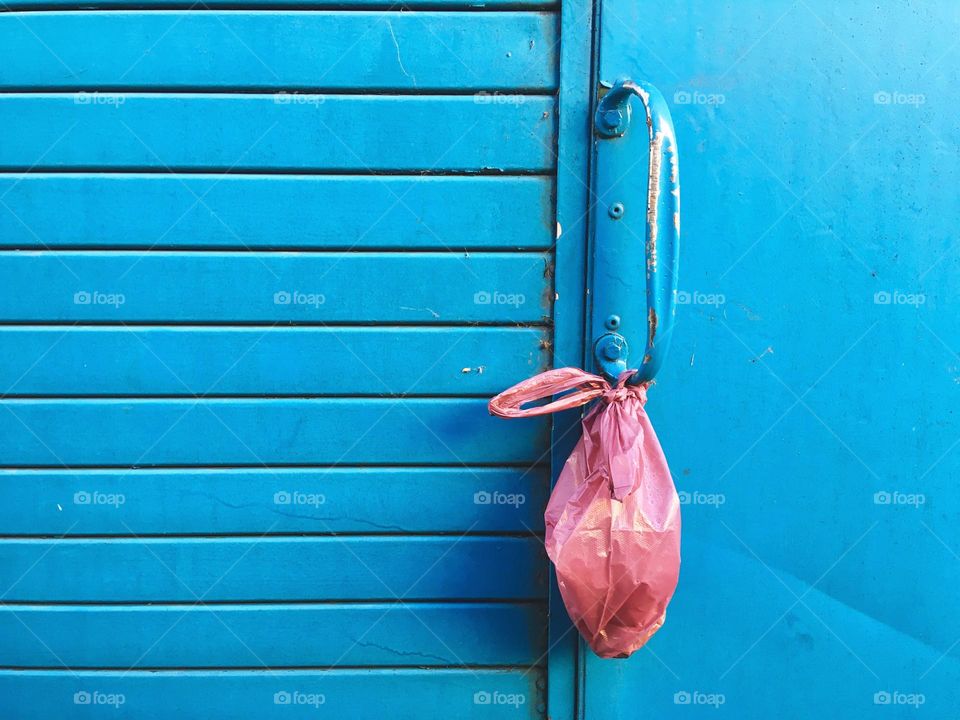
[{"x": 636, "y": 230}]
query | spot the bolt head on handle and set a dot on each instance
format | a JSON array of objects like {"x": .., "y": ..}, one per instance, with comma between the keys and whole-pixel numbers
[
  {"x": 613, "y": 122},
  {"x": 611, "y": 352}
]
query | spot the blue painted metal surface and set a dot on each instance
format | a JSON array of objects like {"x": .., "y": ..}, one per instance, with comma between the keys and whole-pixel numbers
[
  {"x": 290, "y": 500},
  {"x": 308, "y": 287},
  {"x": 378, "y": 567},
  {"x": 261, "y": 269},
  {"x": 356, "y": 693},
  {"x": 473, "y": 633},
  {"x": 427, "y": 198},
  {"x": 269, "y": 132},
  {"x": 287, "y": 361},
  {"x": 571, "y": 341},
  {"x": 162, "y": 211},
  {"x": 116, "y": 432},
  {"x": 636, "y": 231},
  {"x": 808, "y": 405},
  {"x": 289, "y": 49}
]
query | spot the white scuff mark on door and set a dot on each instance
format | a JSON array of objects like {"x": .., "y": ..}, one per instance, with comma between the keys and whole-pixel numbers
[
  {"x": 435, "y": 314},
  {"x": 559, "y": 230},
  {"x": 751, "y": 315},
  {"x": 399, "y": 59}
]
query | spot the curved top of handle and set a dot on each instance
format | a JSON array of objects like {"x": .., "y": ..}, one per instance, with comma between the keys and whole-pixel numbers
[{"x": 663, "y": 210}]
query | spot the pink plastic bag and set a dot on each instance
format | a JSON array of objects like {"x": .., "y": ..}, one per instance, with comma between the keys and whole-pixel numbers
[{"x": 613, "y": 520}]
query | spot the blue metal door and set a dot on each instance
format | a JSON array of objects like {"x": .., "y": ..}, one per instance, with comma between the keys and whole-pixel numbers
[
  {"x": 806, "y": 406},
  {"x": 262, "y": 265},
  {"x": 260, "y": 270}
]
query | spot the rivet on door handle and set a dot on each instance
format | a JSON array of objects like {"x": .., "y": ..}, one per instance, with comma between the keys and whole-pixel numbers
[{"x": 623, "y": 315}]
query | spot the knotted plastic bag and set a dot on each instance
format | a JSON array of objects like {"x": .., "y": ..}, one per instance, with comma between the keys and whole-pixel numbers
[{"x": 613, "y": 519}]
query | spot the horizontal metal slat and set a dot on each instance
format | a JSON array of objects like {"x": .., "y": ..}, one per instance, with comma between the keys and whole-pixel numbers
[
  {"x": 157, "y": 211},
  {"x": 254, "y": 132},
  {"x": 474, "y": 6},
  {"x": 130, "y": 286},
  {"x": 272, "y": 569},
  {"x": 281, "y": 635},
  {"x": 268, "y": 694},
  {"x": 279, "y": 500},
  {"x": 257, "y": 432},
  {"x": 415, "y": 51},
  {"x": 62, "y": 361}
]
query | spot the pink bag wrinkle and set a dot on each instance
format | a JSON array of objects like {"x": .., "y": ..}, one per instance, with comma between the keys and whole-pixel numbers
[{"x": 613, "y": 519}]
